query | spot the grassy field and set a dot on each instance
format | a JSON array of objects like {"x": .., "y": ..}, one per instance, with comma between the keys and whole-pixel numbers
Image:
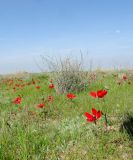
[{"x": 44, "y": 124}]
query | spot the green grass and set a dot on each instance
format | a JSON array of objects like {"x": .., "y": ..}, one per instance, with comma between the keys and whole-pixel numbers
[{"x": 59, "y": 130}]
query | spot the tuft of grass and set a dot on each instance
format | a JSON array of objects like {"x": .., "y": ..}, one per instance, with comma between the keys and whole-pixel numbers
[{"x": 127, "y": 125}]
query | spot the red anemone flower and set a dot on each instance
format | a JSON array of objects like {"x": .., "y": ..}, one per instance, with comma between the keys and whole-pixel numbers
[
  {"x": 33, "y": 82},
  {"x": 17, "y": 85},
  {"x": 94, "y": 116},
  {"x": 124, "y": 77},
  {"x": 51, "y": 85},
  {"x": 41, "y": 105},
  {"x": 71, "y": 96},
  {"x": 93, "y": 94},
  {"x": 38, "y": 87},
  {"x": 17, "y": 100},
  {"x": 99, "y": 93},
  {"x": 50, "y": 98}
]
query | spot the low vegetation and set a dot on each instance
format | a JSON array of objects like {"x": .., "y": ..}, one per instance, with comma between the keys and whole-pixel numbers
[{"x": 41, "y": 120}]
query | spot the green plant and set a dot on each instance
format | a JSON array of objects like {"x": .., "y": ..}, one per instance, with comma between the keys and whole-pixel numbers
[{"x": 127, "y": 125}]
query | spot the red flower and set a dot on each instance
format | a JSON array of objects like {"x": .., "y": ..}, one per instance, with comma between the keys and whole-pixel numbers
[
  {"x": 70, "y": 95},
  {"x": 38, "y": 87},
  {"x": 93, "y": 94},
  {"x": 17, "y": 85},
  {"x": 50, "y": 98},
  {"x": 33, "y": 82},
  {"x": 99, "y": 93},
  {"x": 17, "y": 100},
  {"x": 94, "y": 116},
  {"x": 124, "y": 77},
  {"x": 41, "y": 105},
  {"x": 51, "y": 85}
]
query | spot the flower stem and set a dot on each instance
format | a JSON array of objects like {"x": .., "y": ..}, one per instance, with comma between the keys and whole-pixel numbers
[{"x": 106, "y": 121}]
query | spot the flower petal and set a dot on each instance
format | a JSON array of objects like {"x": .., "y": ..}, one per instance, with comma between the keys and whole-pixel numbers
[
  {"x": 94, "y": 111},
  {"x": 93, "y": 94},
  {"x": 99, "y": 114},
  {"x": 89, "y": 117}
]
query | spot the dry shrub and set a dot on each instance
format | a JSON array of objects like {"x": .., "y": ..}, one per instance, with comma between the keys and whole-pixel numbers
[{"x": 68, "y": 75}]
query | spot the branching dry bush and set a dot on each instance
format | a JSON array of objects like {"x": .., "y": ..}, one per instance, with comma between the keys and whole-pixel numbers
[{"x": 67, "y": 74}]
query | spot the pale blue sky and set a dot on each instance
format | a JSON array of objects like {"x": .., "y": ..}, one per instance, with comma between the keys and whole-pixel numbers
[{"x": 30, "y": 28}]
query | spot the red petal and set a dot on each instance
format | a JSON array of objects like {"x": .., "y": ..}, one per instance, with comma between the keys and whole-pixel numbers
[
  {"x": 89, "y": 117},
  {"x": 99, "y": 114},
  {"x": 105, "y": 92},
  {"x": 101, "y": 93},
  {"x": 70, "y": 95},
  {"x": 93, "y": 94},
  {"x": 94, "y": 111}
]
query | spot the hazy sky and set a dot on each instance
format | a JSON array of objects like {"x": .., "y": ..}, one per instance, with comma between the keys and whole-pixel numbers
[{"x": 30, "y": 28}]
